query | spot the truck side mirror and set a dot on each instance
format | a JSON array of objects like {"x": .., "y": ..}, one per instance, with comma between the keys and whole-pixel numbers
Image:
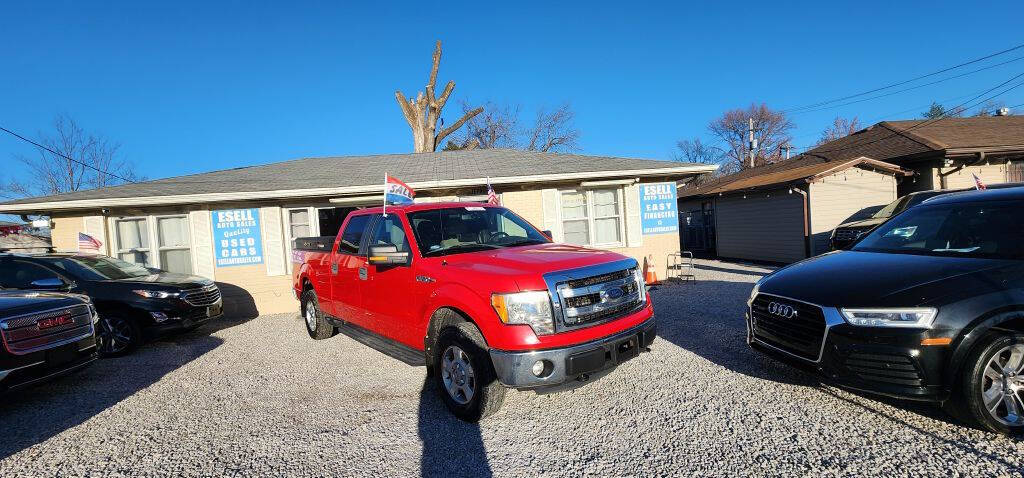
[
  {"x": 387, "y": 255},
  {"x": 548, "y": 234},
  {"x": 51, "y": 283}
]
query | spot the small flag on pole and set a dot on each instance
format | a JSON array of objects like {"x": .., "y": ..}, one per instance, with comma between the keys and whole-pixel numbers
[
  {"x": 87, "y": 243},
  {"x": 492, "y": 198},
  {"x": 397, "y": 192},
  {"x": 977, "y": 183}
]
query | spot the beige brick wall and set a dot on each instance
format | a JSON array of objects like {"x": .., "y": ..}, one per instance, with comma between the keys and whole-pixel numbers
[
  {"x": 528, "y": 204},
  {"x": 249, "y": 287},
  {"x": 64, "y": 232}
]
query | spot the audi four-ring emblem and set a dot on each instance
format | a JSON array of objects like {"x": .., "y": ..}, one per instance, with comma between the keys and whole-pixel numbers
[{"x": 781, "y": 310}]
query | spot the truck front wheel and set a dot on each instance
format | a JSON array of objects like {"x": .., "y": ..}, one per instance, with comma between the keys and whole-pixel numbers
[
  {"x": 992, "y": 388},
  {"x": 316, "y": 323},
  {"x": 465, "y": 375}
]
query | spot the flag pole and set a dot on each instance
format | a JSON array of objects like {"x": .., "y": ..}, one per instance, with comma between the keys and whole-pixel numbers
[{"x": 385, "y": 194}]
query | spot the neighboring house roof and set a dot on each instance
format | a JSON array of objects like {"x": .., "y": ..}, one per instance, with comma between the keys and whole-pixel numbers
[
  {"x": 794, "y": 170},
  {"x": 892, "y": 142},
  {"x": 350, "y": 175}
]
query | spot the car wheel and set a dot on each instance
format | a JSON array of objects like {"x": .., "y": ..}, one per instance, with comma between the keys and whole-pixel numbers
[
  {"x": 316, "y": 324},
  {"x": 465, "y": 374},
  {"x": 992, "y": 389},
  {"x": 117, "y": 335}
]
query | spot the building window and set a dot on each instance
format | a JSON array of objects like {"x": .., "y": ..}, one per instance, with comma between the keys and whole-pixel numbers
[
  {"x": 133, "y": 241},
  {"x": 173, "y": 244},
  {"x": 155, "y": 241},
  {"x": 592, "y": 217},
  {"x": 298, "y": 219}
]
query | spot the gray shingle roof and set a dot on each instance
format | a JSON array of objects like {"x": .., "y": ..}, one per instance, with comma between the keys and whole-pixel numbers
[{"x": 345, "y": 171}]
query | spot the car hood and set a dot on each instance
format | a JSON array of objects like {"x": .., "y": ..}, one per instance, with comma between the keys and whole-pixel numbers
[
  {"x": 863, "y": 223},
  {"x": 528, "y": 264},
  {"x": 169, "y": 279},
  {"x": 23, "y": 302},
  {"x": 870, "y": 279}
]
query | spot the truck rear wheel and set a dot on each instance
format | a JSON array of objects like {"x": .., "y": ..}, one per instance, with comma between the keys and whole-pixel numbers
[
  {"x": 465, "y": 375},
  {"x": 316, "y": 324},
  {"x": 992, "y": 387}
]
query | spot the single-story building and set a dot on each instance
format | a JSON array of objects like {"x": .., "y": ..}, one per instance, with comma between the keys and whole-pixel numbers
[
  {"x": 236, "y": 226},
  {"x": 944, "y": 154},
  {"x": 784, "y": 212},
  {"x": 19, "y": 237},
  {"x": 844, "y": 180}
]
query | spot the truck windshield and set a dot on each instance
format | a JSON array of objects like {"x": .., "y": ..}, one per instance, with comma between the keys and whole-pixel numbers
[
  {"x": 981, "y": 229},
  {"x": 467, "y": 229}
]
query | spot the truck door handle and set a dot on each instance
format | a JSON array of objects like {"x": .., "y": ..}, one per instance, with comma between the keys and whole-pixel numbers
[
  {"x": 334, "y": 269},
  {"x": 362, "y": 273}
]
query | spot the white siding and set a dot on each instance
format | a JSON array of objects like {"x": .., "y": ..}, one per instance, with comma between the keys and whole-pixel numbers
[
  {"x": 846, "y": 196},
  {"x": 764, "y": 226},
  {"x": 551, "y": 216},
  {"x": 202, "y": 244},
  {"x": 95, "y": 227},
  {"x": 273, "y": 240},
  {"x": 634, "y": 229}
]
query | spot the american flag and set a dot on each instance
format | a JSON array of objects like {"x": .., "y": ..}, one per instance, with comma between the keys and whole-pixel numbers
[
  {"x": 977, "y": 183},
  {"x": 492, "y": 197},
  {"x": 88, "y": 243}
]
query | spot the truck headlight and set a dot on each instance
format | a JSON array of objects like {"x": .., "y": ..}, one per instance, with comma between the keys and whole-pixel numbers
[
  {"x": 917, "y": 317},
  {"x": 641, "y": 284},
  {"x": 529, "y": 308}
]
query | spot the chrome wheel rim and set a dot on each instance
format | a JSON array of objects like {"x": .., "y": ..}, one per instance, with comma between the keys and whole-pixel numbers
[
  {"x": 115, "y": 335},
  {"x": 457, "y": 374},
  {"x": 1003, "y": 385},
  {"x": 311, "y": 315}
]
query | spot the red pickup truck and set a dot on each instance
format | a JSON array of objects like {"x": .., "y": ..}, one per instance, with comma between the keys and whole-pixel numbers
[{"x": 478, "y": 295}]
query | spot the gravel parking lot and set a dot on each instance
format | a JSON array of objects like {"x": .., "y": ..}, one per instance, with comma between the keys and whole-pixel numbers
[{"x": 259, "y": 397}]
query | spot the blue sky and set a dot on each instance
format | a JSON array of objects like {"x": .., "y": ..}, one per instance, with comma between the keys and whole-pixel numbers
[{"x": 191, "y": 87}]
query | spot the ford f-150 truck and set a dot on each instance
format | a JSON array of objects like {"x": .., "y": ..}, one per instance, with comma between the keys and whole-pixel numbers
[{"x": 478, "y": 295}]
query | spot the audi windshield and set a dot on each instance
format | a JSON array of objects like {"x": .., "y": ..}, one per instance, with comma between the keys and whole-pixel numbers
[
  {"x": 984, "y": 229},
  {"x": 468, "y": 229}
]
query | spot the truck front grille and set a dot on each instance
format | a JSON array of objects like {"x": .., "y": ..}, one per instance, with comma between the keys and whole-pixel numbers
[
  {"x": 42, "y": 330},
  {"x": 789, "y": 325},
  {"x": 203, "y": 296},
  {"x": 599, "y": 298}
]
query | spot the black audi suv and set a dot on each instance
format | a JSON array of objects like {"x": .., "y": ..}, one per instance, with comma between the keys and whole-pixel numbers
[
  {"x": 928, "y": 306},
  {"x": 135, "y": 303}
]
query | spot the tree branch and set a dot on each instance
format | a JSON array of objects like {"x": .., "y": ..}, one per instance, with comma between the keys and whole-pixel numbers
[
  {"x": 407, "y": 111},
  {"x": 433, "y": 72},
  {"x": 456, "y": 125}
]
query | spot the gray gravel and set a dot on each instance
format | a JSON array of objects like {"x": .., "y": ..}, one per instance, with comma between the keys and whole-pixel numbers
[{"x": 260, "y": 398}]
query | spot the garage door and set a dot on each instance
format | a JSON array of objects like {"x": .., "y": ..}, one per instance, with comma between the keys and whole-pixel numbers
[{"x": 762, "y": 227}]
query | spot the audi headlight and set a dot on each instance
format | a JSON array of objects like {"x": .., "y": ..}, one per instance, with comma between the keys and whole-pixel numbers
[
  {"x": 917, "y": 317},
  {"x": 157, "y": 294},
  {"x": 529, "y": 308}
]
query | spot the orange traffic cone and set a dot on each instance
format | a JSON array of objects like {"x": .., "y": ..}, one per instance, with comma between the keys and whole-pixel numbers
[{"x": 650, "y": 276}]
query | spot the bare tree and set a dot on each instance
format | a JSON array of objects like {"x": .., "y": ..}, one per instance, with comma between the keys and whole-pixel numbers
[
  {"x": 423, "y": 113},
  {"x": 840, "y": 127},
  {"x": 94, "y": 162},
  {"x": 771, "y": 130},
  {"x": 990, "y": 108},
  {"x": 499, "y": 127},
  {"x": 695, "y": 151}
]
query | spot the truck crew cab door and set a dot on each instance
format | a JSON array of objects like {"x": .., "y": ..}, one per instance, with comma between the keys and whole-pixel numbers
[
  {"x": 346, "y": 264},
  {"x": 389, "y": 293}
]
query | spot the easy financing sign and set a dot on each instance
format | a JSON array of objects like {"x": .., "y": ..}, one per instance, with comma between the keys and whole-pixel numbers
[
  {"x": 236, "y": 237},
  {"x": 658, "y": 211}
]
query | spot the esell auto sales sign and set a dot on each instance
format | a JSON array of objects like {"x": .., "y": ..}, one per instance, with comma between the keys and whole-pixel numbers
[{"x": 236, "y": 237}]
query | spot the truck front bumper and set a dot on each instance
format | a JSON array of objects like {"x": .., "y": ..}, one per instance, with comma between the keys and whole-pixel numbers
[{"x": 564, "y": 364}]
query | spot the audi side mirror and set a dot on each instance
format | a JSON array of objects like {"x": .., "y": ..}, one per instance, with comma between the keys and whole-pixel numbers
[
  {"x": 387, "y": 255},
  {"x": 51, "y": 283}
]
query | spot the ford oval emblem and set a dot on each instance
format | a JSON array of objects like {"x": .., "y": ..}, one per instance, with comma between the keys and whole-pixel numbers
[{"x": 613, "y": 293}]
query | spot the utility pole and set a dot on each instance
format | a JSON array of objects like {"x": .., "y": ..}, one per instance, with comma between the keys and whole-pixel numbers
[{"x": 753, "y": 142}]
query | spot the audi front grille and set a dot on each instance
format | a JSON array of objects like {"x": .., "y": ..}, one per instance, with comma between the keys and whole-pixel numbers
[{"x": 795, "y": 327}]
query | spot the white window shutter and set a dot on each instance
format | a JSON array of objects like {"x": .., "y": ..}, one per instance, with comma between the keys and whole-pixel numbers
[
  {"x": 634, "y": 231},
  {"x": 552, "y": 221},
  {"x": 202, "y": 244},
  {"x": 95, "y": 227},
  {"x": 273, "y": 240}
]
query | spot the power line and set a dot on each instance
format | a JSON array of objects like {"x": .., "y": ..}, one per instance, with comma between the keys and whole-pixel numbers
[
  {"x": 901, "y": 83},
  {"x": 108, "y": 173},
  {"x": 824, "y": 108}
]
